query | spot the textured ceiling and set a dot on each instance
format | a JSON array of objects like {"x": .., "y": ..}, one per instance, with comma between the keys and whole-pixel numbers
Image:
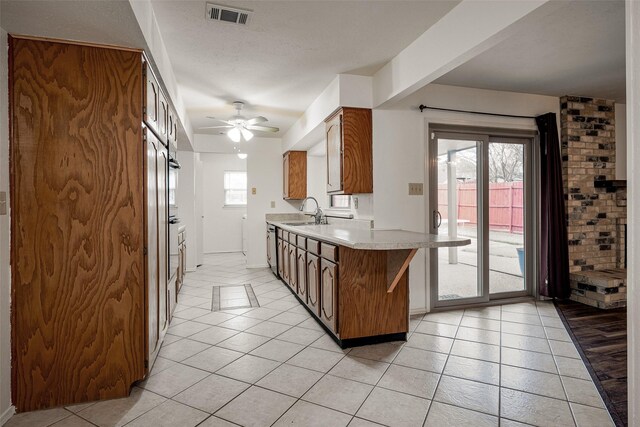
[
  {"x": 580, "y": 50},
  {"x": 286, "y": 56}
]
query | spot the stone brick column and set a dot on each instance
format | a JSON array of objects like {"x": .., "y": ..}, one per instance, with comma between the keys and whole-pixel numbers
[{"x": 588, "y": 154}]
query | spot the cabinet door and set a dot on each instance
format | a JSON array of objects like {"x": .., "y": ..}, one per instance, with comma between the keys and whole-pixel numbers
[
  {"x": 301, "y": 264},
  {"x": 280, "y": 256},
  {"x": 285, "y": 176},
  {"x": 269, "y": 255},
  {"x": 163, "y": 117},
  {"x": 329, "y": 293},
  {"x": 293, "y": 276},
  {"x": 153, "y": 283},
  {"x": 313, "y": 282},
  {"x": 334, "y": 154},
  {"x": 152, "y": 98},
  {"x": 163, "y": 237},
  {"x": 285, "y": 262}
]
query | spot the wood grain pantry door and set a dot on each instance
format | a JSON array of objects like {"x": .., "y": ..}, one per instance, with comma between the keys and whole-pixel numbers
[{"x": 77, "y": 222}]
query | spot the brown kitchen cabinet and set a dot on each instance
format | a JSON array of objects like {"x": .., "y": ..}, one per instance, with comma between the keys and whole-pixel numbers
[
  {"x": 313, "y": 283},
  {"x": 280, "y": 255},
  {"x": 359, "y": 296},
  {"x": 301, "y": 270},
  {"x": 329, "y": 293},
  {"x": 349, "y": 151},
  {"x": 294, "y": 175},
  {"x": 285, "y": 262},
  {"x": 293, "y": 274}
]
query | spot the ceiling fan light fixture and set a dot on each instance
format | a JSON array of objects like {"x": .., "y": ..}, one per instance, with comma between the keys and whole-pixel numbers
[
  {"x": 234, "y": 134},
  {"x": 247, "y": 134}
]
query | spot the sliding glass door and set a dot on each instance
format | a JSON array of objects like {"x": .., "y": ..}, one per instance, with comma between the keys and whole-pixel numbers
[{"x": 479, "y": 189}]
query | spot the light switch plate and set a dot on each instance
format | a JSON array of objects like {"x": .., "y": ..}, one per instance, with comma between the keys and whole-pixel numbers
[
  {"x": 253, "y": 190},
  {"x": 415, "y": 189},
  {"x": 3, "y": 202},
  {"x": 273, "y": 204}
]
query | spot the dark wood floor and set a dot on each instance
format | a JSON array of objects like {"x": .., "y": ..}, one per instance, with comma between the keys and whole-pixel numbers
[{"x": 602, "y": 335}]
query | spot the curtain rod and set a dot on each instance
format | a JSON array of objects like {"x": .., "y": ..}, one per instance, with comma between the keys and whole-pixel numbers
[{"x": 423, "y": 107}]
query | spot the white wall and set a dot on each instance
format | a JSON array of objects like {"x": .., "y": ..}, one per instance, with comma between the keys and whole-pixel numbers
[
  {"x": 633, "y": 193},
  {"x": 621, "y": 141},
  {"x": 317, "y": 179},
  {"x": 6, "y": 410},
  {"x": 186, "y": 201},
  {"x": 264, "y": 173},
  {"x": 399, "y": 156},
  {"x": 222, "y": 230}
]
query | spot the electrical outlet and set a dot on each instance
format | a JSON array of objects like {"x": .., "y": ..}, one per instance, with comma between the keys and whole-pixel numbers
[
  {"x": 253, "y": 190},
  {"x": 3, "y": 202},
  {"x": 415, "y": 189},
  {"x": 355, "y": 202},
  {"x": 273, "y": 204}
]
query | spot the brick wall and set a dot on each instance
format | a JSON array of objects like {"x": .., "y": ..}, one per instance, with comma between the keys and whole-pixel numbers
[{"x": 594, "y": 215}]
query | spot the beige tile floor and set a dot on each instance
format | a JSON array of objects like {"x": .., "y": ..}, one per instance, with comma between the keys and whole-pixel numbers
[{"x": 509, "y": 365}]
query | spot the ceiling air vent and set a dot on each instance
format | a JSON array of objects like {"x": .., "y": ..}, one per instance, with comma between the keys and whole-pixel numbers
[{"x": 217, "y": 12}]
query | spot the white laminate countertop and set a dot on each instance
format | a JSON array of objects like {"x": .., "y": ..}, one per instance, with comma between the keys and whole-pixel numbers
[{"x": 371, "y": 239}]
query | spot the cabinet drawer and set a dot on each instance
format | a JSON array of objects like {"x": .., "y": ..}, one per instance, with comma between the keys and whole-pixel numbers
[
  {"x": 292, "y": 238},
  {"x": 329, "y": 252},
  {"x": 285, "y": 236},
  {"x": 280, "y": 233},
  {"x": 301, "y": 242},
  {"x": 313, "y": 246}
]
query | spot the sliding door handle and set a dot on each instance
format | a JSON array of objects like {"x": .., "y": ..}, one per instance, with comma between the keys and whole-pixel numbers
[{"x": 437, "y": 219}]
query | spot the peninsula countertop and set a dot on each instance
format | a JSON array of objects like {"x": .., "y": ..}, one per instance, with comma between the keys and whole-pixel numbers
[{"x": 368, "y": 239}]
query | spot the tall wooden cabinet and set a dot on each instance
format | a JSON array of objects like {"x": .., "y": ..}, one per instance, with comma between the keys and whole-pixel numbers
[
  {"x": 88, "y": 204},
  {"x": 349, "y": 151}
]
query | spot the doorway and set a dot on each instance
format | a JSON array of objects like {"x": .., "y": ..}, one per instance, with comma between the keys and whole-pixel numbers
[{"x": 481, "y": 189}]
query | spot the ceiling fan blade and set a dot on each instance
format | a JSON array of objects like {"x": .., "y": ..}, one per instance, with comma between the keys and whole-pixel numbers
[
  {"x": 255, "y": 120},
  {"x": 217, "y": 127},
  {"x": 219, "y": 120},
  {"x": 264, "y": 128}
]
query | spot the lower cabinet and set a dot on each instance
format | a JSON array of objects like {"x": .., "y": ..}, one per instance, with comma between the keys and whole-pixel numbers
[
  {"x": 293, "y": 277},
  {"x": 313, "y": 282},
  {"x": 301, "y": 269},
  {"x": 329, "y": 293},
  {"x": 280, "y": 256},
  {"x": 285, "y": 262}
]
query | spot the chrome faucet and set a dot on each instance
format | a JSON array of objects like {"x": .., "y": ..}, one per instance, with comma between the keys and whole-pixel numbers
[{"x": 318, "y": 215}]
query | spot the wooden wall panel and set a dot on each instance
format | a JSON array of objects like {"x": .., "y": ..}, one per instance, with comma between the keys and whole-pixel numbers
[
  {"x": 365, "y": 307},
  {"x": 77, "y": 258}
]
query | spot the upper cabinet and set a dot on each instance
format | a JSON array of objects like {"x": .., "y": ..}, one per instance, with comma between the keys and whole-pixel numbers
[
  {"x": 349, "y": 151},
  {"x": 294, "y": 179},
  {"x": 158, "y": 114},
  {"x": 152, "y": 101}
]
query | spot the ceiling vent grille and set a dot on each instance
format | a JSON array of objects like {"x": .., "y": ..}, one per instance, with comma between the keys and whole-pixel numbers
[{"x": 217, "y": 12}]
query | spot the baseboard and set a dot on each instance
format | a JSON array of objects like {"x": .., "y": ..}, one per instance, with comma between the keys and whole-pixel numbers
[
  {"x": 415, "y": 311},
  {"x": 258, "y": 266},
  {"x": 8, "y": 413},
  {"x": 233, "y": 251}
]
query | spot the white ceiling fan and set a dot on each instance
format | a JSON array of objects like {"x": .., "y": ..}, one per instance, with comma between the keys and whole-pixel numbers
[{"x": 241, "y": 127}]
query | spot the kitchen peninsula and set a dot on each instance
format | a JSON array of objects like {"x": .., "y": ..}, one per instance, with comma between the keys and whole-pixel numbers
[{"x": 354, "y": 280}]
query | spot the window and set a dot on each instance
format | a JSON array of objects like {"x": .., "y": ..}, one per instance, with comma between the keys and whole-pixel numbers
[
  {"x": 340, "y": 202},
  {"x": 235, "y": 188}
]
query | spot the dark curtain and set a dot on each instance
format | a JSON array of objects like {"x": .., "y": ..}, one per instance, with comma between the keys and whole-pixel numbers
[{"x": 554, "y": 251}]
